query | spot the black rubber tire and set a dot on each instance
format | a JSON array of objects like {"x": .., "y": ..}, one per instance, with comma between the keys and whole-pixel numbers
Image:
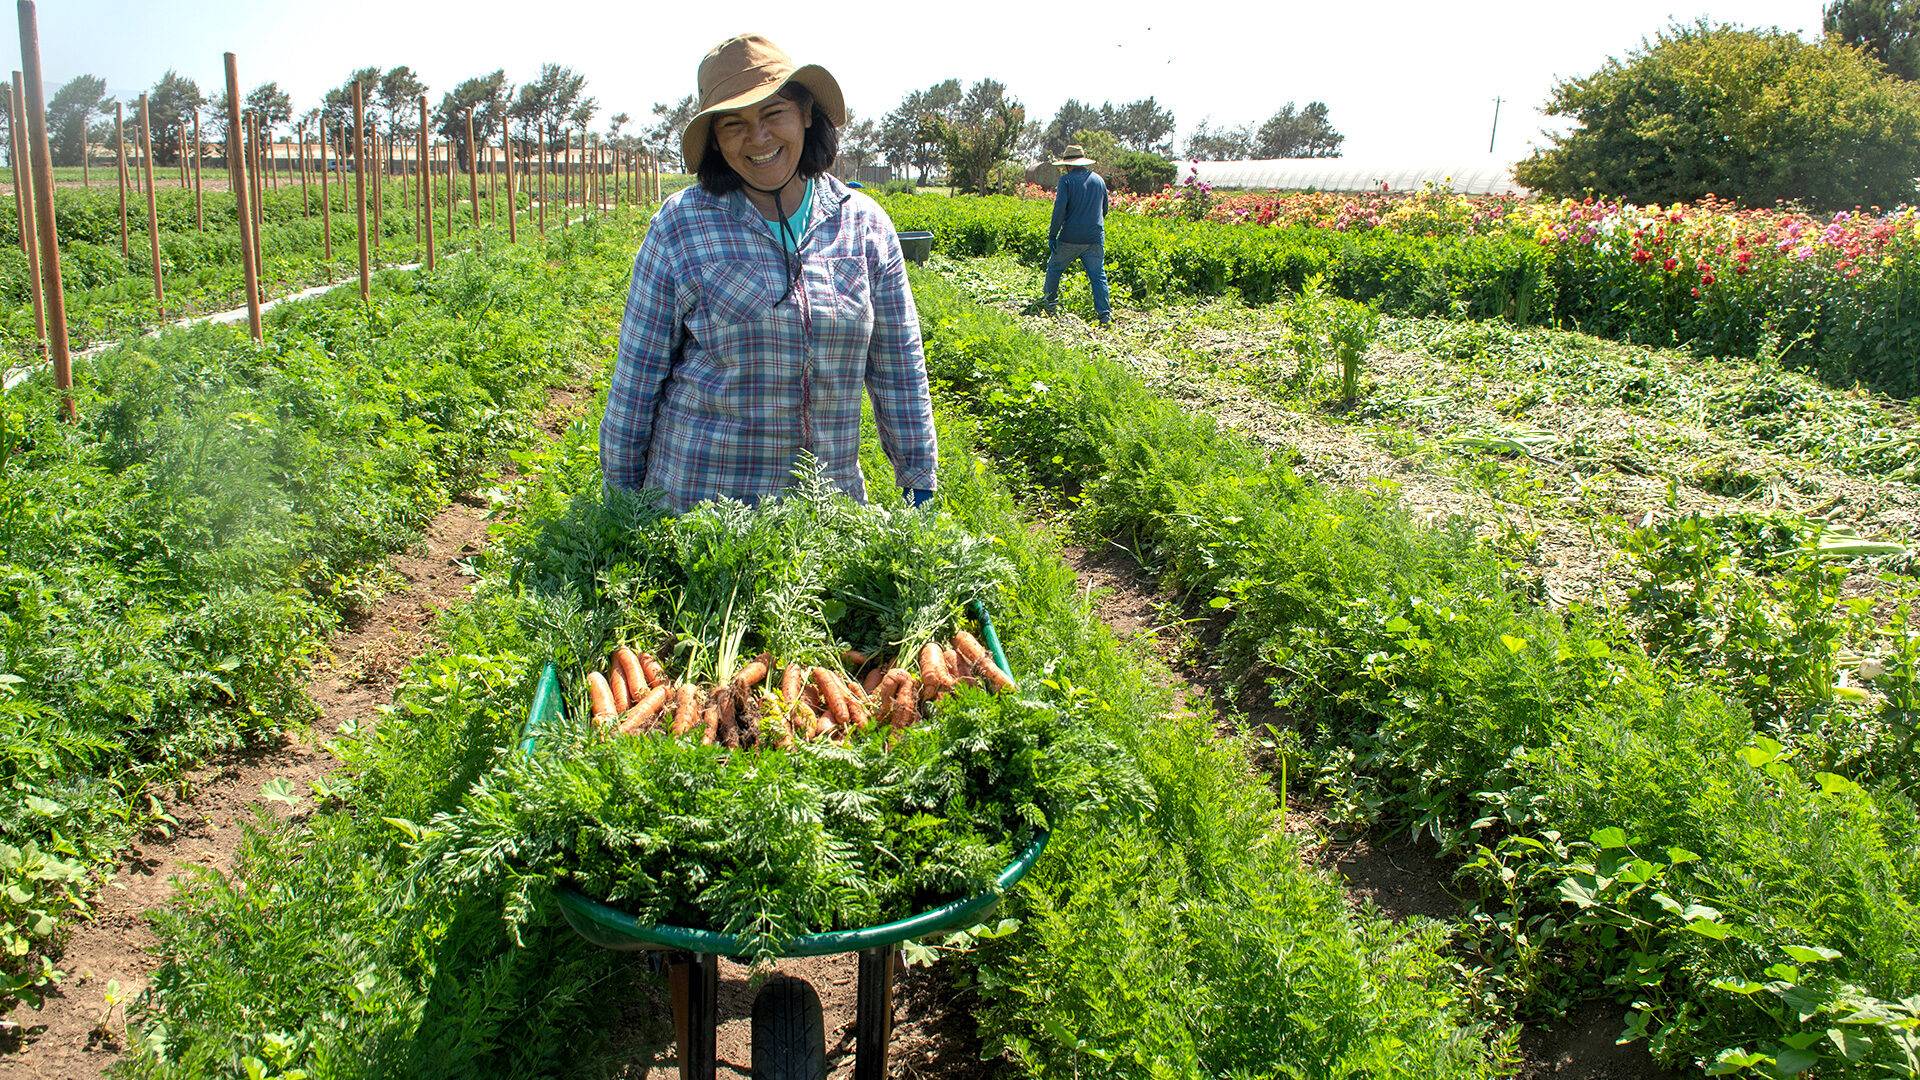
[{"x": 789, "y": 1036}]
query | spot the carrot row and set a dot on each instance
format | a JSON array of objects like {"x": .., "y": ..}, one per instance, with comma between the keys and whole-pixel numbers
[{"x": 634, "y": 696}]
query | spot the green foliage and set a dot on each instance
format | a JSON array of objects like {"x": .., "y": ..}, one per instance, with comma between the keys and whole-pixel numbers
[
  {"x": 1887, "y": 30},
  {"x": 978, "y": 137},
  {"x": 1137, "y": 171},
  {"x": 1430, "y": 696},
  {"x": 1756, "y": 115},
  {"x": 1478, "y": 277},
  {"x": 171, "y": 561}
]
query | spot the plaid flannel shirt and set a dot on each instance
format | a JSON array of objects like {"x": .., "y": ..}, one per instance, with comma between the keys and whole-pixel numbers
[{"x": 724, "y": 376}]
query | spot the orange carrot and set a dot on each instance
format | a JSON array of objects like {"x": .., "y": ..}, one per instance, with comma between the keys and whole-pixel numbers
[
  {"x": 936, "y": 678},
  {"x": 853, "y": 658},
  {"x": 976, "y": 654},
  {"x": 750, "y": 675},
  {"x": 906, "y": 702},
  {"x": 883, "y": 694},
  {"x": 628, "y": 662},
  {"x": 790, "y": 682},
  {"x": 833, "y": 694},
  {"x": 601, "y": 696},
  {"x": 649, "y": 667},
  {"x": 856, "y": 706},
  {"x": 686, "y": 709},
  {"x": 712, "y": 719},
  {"x": 729, "y": 727},
  {"x": 646, "y": 712},
  {"x": 622, "y": 701},
  {"x": 873, "y": 680}
]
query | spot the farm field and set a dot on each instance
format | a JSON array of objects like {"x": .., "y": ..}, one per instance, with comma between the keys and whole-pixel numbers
[
  {"x": 237, "y": 504},
  {"x": 110, "y": 295},
  {"x": 1345, "y": 621}
]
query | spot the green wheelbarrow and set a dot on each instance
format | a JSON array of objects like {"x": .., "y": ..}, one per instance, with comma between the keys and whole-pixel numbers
[{"x": 789, "y": 1040}]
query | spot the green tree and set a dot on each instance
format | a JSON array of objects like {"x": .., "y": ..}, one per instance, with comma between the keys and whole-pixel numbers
[
  {"x": 907, "y": 134},
  {"x": 399, "y": 94},
  {"x": 482, "y": 95},
  {"x": 1143, "y": 126},
  {"x": 1208, "y": 143},
  {"x": 550, "y": 101},
  {"x": 1758, "y": 115},
  {"x": 1291, "y": 133},
  {"x": 69, "y": 114},
  {"x": 1889, "y": 29},
  {"x": 272, "y": 105},
  {"x": 979, "y": 136},
  {"x": 336, "y": 108},
  {"x": 171, "y": 105},
  {"x": 1073, "y": 118},
  {"x": 662, "y": 137}
]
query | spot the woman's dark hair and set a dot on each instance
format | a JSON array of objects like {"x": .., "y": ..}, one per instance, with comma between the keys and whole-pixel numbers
[{"x": 817, "y": 153}]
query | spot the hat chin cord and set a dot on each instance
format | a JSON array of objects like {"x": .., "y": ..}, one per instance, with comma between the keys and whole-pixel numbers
[{"x": 779, "y": 208}]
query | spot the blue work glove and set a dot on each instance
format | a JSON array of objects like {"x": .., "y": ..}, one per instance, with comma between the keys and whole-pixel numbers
[{"x": 917, "y": 496}]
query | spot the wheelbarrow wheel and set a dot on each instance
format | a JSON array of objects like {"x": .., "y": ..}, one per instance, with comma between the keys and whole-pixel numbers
[{"x": 789, "y": 1035}]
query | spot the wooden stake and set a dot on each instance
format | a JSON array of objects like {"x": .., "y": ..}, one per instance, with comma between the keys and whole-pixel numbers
[
  {"x": 326, "y": 196},
  {"x": 542, "y": 154},
  {"x": 450, "y": 195},
  {"x": 236, "y": 135},
  {"x": 379, "y": 189},
  {"x": 360, "y": 189},
  {"x": 17, "y": 138},
  {"x": 180, "y": 143},
  {"x": 199, "y": 207},
  {"x": 473, "y": 174},
  {"x": 153, "y": 212},
  {"x": 306, "y": 205},
  {"x": 120, "y": 142},
  {"x": 426, "y": 179},
  {"x": 513, "y": 208},
  {"x": 259, "y": 209},
  {"x": 49, "y": 239}
]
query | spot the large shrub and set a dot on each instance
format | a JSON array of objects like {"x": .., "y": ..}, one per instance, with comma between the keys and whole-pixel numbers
[{"x": 1758, "y": 115}]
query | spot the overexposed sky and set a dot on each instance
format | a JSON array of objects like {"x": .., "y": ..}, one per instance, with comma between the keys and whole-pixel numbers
[{"x": 1405, "y": 80}]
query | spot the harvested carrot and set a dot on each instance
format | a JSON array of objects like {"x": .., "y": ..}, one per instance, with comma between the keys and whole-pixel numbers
[
  {"x": 645, "y": 713},
  {"x": 686, "y": 708},
  {"x": 905, "y": 706},
  {"x": 883, "y": 694},
  {"x": 750, "y": 675},
  {"x": 600, "y": 695},
  {"x": 729, "y": 724},
  {"x": 853, "y": 658},
  {"x": 954, "y": 667},
  {"x": 622, "y": 700},
  {"x": 856, "y": 707},
  {"x": 791, "y": 680},
  {"x": 936, "y": 678},
  {"x": 651, "y": 669},
  {"x": 833, "y": 695},
  {"x": 628, "y": 662},
  {"x": 872, "y": 682},
  {"x": 711, "y": 717},
  {"x": 976, "y": 654}
]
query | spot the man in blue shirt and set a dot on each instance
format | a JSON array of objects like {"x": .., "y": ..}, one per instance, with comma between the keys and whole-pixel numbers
[{"x": 1078, "y": 231}]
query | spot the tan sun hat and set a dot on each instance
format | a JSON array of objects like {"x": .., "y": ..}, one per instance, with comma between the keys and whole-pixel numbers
[
  {"x": 1075, "y": 155},
  {"x": 746, "y": 70}
]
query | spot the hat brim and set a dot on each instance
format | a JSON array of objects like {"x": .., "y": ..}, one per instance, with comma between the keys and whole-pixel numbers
[
  {"x": 1076, "y": 161},
  {"x": 818, "y": 81}
]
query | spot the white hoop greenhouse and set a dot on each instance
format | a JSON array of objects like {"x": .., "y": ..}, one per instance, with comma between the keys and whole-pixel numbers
[{"x": 1355, "y": 174}]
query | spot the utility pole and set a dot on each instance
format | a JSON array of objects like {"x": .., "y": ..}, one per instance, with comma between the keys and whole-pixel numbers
[{"x": 1496, "y": 125}]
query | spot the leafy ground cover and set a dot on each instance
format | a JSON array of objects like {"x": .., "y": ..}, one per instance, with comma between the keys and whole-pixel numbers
[
  {"x": 172, "y": 559},
  {"x": 1626, "y": 834},
  {"x": 1832, "y": 293},
  {"x": 1170, "y": 929}
]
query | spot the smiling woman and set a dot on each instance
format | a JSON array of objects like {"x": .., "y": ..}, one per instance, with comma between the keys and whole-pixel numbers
[{"x": 763, "y": 301}]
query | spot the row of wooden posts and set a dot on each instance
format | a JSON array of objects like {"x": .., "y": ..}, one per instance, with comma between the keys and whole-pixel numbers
[{"x": 606, "y": 178}]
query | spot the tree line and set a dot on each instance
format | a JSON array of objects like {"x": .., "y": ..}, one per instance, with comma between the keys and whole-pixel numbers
[
  {"x": 980, "y": 135},
  {"x": 81, "y": 112}
]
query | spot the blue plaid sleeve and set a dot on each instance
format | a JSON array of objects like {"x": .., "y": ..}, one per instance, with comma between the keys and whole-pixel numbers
[
  {"x": 651, "y": 334},
  {"x": 897, "y": 369}
]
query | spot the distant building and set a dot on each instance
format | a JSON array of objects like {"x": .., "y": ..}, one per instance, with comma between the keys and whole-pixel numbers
[{"x": 1354, "y": 174}]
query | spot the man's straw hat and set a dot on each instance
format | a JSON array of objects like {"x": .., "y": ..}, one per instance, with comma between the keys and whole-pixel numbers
[
  {"x": 745, "y": 70},
  {"x": 1075, "y": 155}
]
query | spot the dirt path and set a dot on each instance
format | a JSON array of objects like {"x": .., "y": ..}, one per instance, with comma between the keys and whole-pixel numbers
[{"x": 1399, "y": 878}]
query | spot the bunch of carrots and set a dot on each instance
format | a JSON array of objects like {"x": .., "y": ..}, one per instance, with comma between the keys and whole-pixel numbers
[{"x": 635, "y": 696}]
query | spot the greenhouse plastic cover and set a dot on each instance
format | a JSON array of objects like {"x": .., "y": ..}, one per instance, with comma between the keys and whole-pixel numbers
[{"x": 1491, "y": 177}]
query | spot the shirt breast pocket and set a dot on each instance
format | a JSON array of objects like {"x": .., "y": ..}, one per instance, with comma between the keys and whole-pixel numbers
[{"x": 734, "y": 294}]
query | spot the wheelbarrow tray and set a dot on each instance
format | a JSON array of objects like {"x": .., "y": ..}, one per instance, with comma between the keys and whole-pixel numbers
[{"x": 611, "y": 928}]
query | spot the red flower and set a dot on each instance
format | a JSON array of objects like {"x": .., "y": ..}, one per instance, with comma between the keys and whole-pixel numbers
[
  {"x": 1671, "y": 264},
  {"x": 1641, "y": 255},
  {"x": 1740, "y": 269},
  {"x": 1696, "y": 292},
  {"x": 1707, "y": 278}
]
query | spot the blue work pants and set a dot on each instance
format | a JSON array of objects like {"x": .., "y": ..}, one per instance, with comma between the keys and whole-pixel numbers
[{"x": 1092, "y": 257}]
